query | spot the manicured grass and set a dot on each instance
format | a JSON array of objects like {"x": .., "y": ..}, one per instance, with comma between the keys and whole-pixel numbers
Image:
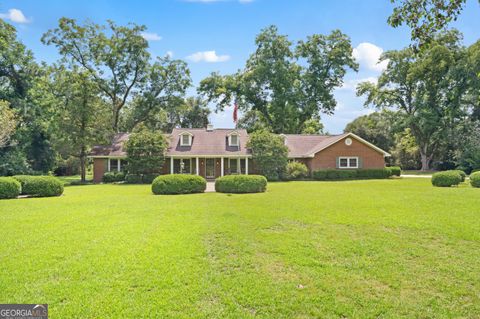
[
  {"x": 418, "y": 172},
  {"x": 67, "y": 180},
  {"x": 357, "y": 249}
]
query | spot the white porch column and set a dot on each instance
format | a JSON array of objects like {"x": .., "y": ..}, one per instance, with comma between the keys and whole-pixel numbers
[
  {"x": 108, "y": 165},
  {"x": 246, "y": 165},
  {"x": 221, "y": 167},
  {"x": 197, "y": 166},
  {"x": 118, "y": 165},
  {"x": 171, "y": 165}
]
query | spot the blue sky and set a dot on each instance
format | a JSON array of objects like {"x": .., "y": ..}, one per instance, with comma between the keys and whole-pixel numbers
[{"x": 192, "y": 30}]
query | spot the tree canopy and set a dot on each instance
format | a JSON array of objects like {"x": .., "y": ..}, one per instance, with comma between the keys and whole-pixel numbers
[{"x": 282, "y": 85}]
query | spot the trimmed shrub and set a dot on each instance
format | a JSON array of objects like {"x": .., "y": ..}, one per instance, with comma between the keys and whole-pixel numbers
[
  {"x": 133, "y": 179},
  {"x": 40, "y": 186},
  {"x": 334, "y": 174},
  {"x": 463, "y": 175},
  {"x": 178, "y": 184},
  {"x": 241, "y": 184},
  {"x": 475, "y": 179},
  {"x": 113, "y": 177},
  {"x": 296, "y": 170},
  {"x": 446, "y": 179},
  {"x": 374, "y": 173},
  {"x": 346, "y": 174},
  {"x": 9, "y": 188},
  {"x": 395, "y": 170}
]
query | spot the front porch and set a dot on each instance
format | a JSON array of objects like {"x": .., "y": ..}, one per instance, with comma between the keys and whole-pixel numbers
[{"x": 208, "y": 167}]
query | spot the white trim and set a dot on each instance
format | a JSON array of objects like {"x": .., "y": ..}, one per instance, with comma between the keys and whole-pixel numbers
[
  {"x": 246, "y": 166},
  {"x": 171, "y": 165},
  {"x": 197, "y": 166},
  {"x": 358, "y": 138},
  {"x": 348, "y": 158},
  {"x": 230, "y": 139},
  {"x": 108, "y": 165},
  {"x": 118, "y": 165},
  {"x": 222, "y": 164},
  {"x": 189, "y": 139},
  {"x": 208, "y": 156}
]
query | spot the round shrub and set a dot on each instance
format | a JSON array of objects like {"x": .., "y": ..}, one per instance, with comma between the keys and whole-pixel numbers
[
  {"x": 9, "y": 188},
  {"x": 475, "y": 179},
  {"x": 463, "y": 175},
  {"x": 296, "y": 170},
  {"x": 446, "y": 179},
  {"x": 395, "y": 170},
  {"x": 241, "y": 184},
  {"x": 40, "y": 186},
  {"x": 178, "y": 184}
]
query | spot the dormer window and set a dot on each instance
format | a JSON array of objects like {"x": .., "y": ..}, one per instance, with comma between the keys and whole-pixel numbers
[
  {"x": 233, "y": 139},
  {"x": 186, "y": 139}
]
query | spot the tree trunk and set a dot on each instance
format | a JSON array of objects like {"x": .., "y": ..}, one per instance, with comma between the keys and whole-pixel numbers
[
  {"x": 425, "y": 161},
  {"x": 83, "y": 164}
]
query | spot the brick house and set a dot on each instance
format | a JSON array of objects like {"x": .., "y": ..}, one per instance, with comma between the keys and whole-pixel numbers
[{"x": 213, "y": 153}]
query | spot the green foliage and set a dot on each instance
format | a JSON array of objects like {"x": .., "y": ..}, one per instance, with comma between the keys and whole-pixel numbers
[
  {"x": 405, "y": 152},
  {"x": 241, "y": 184},
  {"x": 8, "y": 123},
  {"x": 149, "y": 178},
  {"x": 312, "y": 126},
  {"x": 145, "y": 152},
  {"x": 133, "y": 179},
  {"x": 475, "y": 179},
  {"x": 285, "y": 85},
  {"x": 9, "y": 188},
  {"x": 425, "y": 17},
  {"x": 419, "y": 86},
  {"x": 395, "y": 170},
  {"x": 113, "y": 177},
  {"x": 178, "y": 184},
  {"x": 269, "y": 154},
  {"x": 463, "y": 175},
  {"x": 341, "y": 174},
  {"x": 334, "y": 174},
  {"x": 40, "y": 186},
  {"x": 296, "y": 170},
  {"x": 13, "y": 161},
  {"x": 446, "y": 179},
  {"x": 117, "y": 59}
]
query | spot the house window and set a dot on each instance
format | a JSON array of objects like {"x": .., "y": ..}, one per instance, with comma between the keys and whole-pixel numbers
[
  {"x": 348, "y": 162},
  {"x": 233, "y": 140},
  {"x": 113, "y": 167},
  {"x": 185, "y": 140}
]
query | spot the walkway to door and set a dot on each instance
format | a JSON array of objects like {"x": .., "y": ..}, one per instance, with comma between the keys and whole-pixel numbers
[{"x": 210, "y": 187}]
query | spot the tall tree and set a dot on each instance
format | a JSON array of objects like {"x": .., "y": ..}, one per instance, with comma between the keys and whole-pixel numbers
[
  {"x": 425, "y": 17},
  {"x": 117, "y": 59},
  {"x": 286, "y": 84},
  {"x": 8, "y": 123},
  {"x": 80, "y": 114},
  {"x": 427, "y": 88}
]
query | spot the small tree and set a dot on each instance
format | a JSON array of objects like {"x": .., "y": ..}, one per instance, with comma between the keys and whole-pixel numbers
[
  {"x": 8, "y": 123},
  {"x": 145, "y": 152},
  {"x": 269, "y": 153}
]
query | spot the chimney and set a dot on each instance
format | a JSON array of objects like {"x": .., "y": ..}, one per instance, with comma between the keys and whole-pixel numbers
[{"x": 209, "y": 127}]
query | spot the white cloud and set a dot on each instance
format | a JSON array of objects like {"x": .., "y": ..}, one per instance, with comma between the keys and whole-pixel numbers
[
  {"x": 151, "y": 36},
  {"x": 368, "y": 54},
  {"x": 15, "y": 15},
  {"x": 208, "y": 56},
  {"x": 170, "y": 54}
]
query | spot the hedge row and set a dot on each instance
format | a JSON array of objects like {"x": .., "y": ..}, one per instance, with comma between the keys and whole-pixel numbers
[
  {"x": 475, "y": 179},
  {"x": 9, "y": 188},
  {"x": 40, "y": 186},
  {"x": 241, "y": 184},
  {"x": 178, "y": 184},
  {"x": 339, "y": 174},
  {"x": 140, "y": 179}
]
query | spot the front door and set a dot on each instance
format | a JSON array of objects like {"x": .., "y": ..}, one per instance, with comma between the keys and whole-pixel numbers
[{"x": 210, "y": 168}]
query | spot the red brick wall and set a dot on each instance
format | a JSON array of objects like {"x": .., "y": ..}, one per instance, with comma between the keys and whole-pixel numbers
[
  {"x": 327, "y": 158},
  {"x": 99, "y": 168}
]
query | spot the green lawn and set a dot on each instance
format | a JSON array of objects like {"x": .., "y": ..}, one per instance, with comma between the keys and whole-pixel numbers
[{"x": 358, "y": 249}]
